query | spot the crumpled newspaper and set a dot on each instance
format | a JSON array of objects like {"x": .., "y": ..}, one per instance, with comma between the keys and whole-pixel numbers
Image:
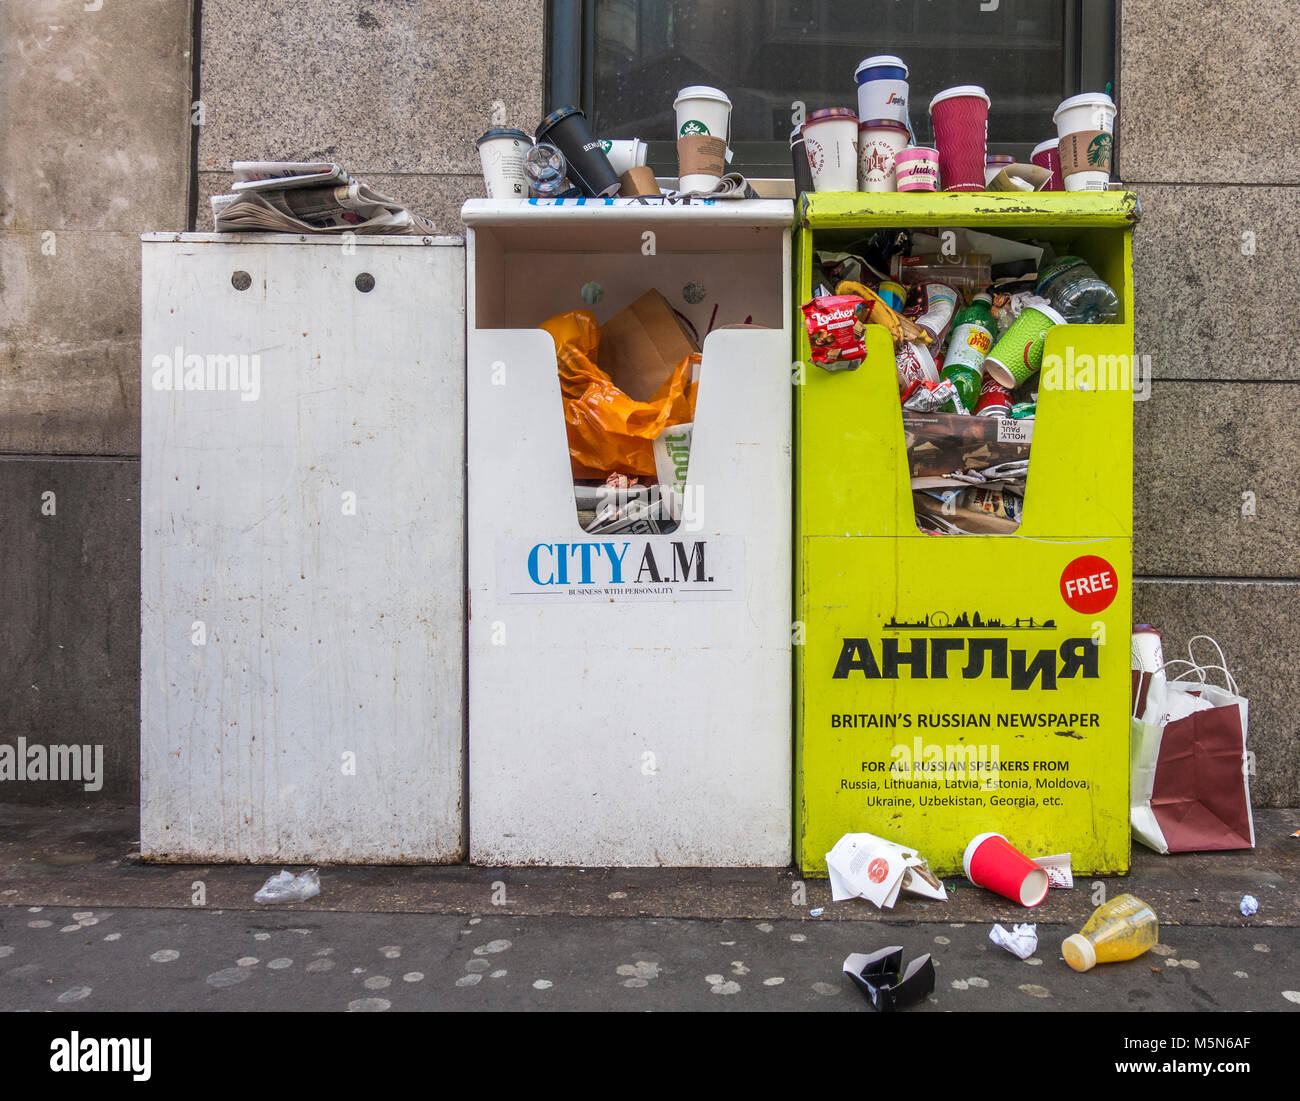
[
  {"x": 287, "y": 887},
  {"x": 1022, "y": 941}
]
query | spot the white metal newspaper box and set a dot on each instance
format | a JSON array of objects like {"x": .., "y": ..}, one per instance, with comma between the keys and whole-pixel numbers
[
  {"x": 629, "y": 694},
  {"x": 301, "y": 522}
]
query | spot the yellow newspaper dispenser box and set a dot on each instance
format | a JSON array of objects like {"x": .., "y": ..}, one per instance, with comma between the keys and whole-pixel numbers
[{"x": 952, "y": 685}]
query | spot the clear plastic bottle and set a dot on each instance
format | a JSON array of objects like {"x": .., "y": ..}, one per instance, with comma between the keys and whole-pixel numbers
[
  {"x": 1122, "y": 929},
  {"x": 966, "y": 271},
  {"x": 1076, "y": 293}
]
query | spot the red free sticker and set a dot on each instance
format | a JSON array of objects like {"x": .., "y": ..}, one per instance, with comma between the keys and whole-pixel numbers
[
  {"x": 877, "y": 870},
  {"x": 1089, "y": 584}
]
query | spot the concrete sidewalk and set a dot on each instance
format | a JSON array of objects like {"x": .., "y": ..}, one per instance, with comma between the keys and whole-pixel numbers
[{"x": 114, "y": 933}]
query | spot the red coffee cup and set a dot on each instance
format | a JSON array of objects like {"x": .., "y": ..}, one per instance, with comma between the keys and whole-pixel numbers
[
  {"x": 961, "y": 134},
  {"x": 1048, "y": 155},
  {"x": 991, "y": 862}
]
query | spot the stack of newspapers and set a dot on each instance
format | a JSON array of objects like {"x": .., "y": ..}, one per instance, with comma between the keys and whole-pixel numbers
[{"x": 308, "y": 197}]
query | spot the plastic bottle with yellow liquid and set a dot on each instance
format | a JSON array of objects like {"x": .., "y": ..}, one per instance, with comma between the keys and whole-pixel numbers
[{"x": 1122, "y": 929}]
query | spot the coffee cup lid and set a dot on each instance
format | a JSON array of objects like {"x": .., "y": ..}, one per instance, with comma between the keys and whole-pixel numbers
[
  {"x": 1051, "y": 143},
  {"x": 961, "y": 90},
  {"x": 1087, "y": 99},
  {"x": 883, "y": 124},
  {"x": 702, "y": 91},
  {"x": 828, "y": 114},
  {"x": 555, "y": 118},
  {"x": 1049, "y": 312},
  {"x": 881, "y": 61},
  {"x": 999, "y": 158},
  {"x": 929, "y": 151},
  {"x": 502, "y": 132}
]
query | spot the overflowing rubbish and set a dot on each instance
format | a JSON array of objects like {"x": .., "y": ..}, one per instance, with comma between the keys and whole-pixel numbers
[
  {"x": 287, "y": 887},
  {"x": 862, "y": 865},
  {"x": 1122, "y": 929},
  {"x": 1190, "y": 767},
  {"x": 992, "y": 862},
  {"x": 310, "y": 197},
  {"x": 1249, "y": 906},
  {"x": 1021, "y": 941},
  {"x": 886, "y": 982}
]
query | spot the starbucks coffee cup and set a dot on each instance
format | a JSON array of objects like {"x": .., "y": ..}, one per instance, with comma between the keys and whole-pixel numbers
[
  {"x": 502, "y": 152},
  {"x": 879, "y": 142},
  {"x": 703, "y": 132},
  {"x": 625, "y": 153},
  {"x": 882, "y": 88},
  {"x": 830, "y": 136},
  {"x": 1085, "y": 126}
]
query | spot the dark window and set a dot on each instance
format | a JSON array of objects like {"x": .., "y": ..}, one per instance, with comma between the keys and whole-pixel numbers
[{"x": 624, "y": 60}]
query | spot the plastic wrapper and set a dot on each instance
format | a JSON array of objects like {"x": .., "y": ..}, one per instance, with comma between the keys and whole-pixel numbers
[
  {"x": 836, "y": 326},
  {"x": 287, "y": 887},
  {"x": 609, "y": 432}
]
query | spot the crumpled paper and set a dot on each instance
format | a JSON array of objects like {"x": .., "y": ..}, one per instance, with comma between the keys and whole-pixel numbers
[{"x": 1022, "y": 941}]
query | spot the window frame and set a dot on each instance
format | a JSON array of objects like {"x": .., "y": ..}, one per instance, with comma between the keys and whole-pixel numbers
[{"x": 1091, "y": 35}]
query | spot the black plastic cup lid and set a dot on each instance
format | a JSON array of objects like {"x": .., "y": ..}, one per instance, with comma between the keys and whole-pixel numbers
[
  {"x": 502, "y": 132},
  {"x": 555, "y": 118}
]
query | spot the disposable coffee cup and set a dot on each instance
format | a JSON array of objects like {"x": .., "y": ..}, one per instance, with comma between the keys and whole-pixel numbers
[
  {"x": 917, "y": 169},
  {"x": 961, "y": 134},
  {"x": 502, "y": 152},
  {"x": 915, "y": 365},
  {"x": 993, "y": 164},
  {"x": 882, "y": 88},
  {"x": 547, "y": 171},
  {"x": 831, "y": 137},
  {"x": 703, "y": 133},
  {"x": 639, "y": 181},
  {"x": 589, "y": 168},
  {"x": 1047, "y": 155},
  {"x": 1085, "y": 126},
  {"x": 799, "y": 162},
  {"x": 1019, "y": 352},
  {"x": 1147, "y": 659},
  {"x": 879, "y": 142},
  {"x": 990, "y": 861},
  {"x": 625, "y": 153}
]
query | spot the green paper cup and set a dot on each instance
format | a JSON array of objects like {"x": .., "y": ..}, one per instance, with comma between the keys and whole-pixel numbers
[{"x": 1019, "y": 353}]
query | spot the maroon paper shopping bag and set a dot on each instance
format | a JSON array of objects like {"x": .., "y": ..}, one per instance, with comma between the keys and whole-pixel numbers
[{"x": 1200, "y": 795}]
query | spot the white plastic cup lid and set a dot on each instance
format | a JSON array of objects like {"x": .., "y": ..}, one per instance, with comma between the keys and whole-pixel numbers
[
  {"x": 1042, "y": 146},
  {"x": 881, "y": 61},
  {"x": 961, "y": 90},
  {"x": 1087, "y": 99},
  {"x": 702, "y": 91},
  {"x": 1048, "y": 312}
]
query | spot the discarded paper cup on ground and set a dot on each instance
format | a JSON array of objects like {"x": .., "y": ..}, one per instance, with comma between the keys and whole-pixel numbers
[
  {"x": 625, "y": 153},
  {"x": 1085, "y": 126},
  {"x": 703, "y": 131},
  {"x": 882, "y": 88},
  {"x": 879, "y": 142},
  {"x": 502, "y": 152},
  {"x": 990, "y": 861},
  {"x": 831, "y": 137},
  {"x": 1048, "y": 155},
  {"x": 1018, "y": 354},
  {"x": 589, "y": 168},
  {"x": 961, "y": 134},
  {"x": 917, "y": 169}
]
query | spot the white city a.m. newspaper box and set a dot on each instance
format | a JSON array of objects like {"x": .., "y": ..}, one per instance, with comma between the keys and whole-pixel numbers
[
  {"x": 301, "y": 524},
  {"x": 629, "y": 696}
]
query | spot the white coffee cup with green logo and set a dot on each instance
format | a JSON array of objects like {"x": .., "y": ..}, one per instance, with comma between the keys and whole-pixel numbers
[
  {"x": 703, "y": 134},
  {"x": 1085, "y": 125},
  {"x": 625, "y": 153}
]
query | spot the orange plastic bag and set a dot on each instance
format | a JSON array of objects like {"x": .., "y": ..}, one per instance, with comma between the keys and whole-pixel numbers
[{"x": 609, "y": 432}]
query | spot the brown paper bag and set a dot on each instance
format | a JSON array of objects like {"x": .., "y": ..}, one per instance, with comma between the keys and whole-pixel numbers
[{"x": 641, "y": 346}]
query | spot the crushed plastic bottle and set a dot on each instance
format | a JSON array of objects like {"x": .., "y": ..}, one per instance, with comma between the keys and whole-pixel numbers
[
  {"x": 1121, "y": 930},
  {"x": 287, "y": 887},
  {"x": 1076, "y": 293}
]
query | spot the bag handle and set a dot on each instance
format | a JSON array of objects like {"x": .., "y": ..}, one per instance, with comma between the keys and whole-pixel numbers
[{"x": 1195, "y": 669}]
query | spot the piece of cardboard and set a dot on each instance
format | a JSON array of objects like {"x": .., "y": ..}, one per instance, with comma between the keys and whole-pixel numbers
[{"x": 642, "y": 344}]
